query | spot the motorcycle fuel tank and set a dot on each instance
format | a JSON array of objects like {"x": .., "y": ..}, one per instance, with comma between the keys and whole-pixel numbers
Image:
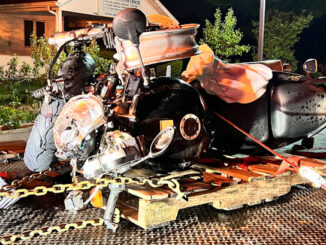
[
  {"x": 172, "y": 102},
  {"x": 297, "y": 109}
]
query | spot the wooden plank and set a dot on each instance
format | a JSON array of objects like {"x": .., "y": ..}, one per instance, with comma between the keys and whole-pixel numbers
[
  {"x": 263, "y": 169},
  {"x": 275, "y": 165},
  {"x": 217, "y": 179},
  {"x": 312, "y": 163},
  {"x": 228, "y": 171},
  {"x": 272, "y": 159},
  {"x": 13, "y": 146},
  {"x": 303, "y": 159},
  {"x": 128, "y": 212},
  {"x": 157, "y": 213},
  {"x": 149, "y": 193},
  {"x": 303, "y": 162},
  {"x": 195, "y": 186},
  {"x": 159, "y": 206},
  {"x": 240, "y": 174}
]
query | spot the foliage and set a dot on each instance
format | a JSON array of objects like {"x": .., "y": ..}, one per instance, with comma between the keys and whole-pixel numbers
[
  {"x": 18, "y": 92},
  {"x": 222, "y": 37},
  {"x": 282, "y": 32},
  {"x": 13, "y": 117},
  {"x": 102, "y": 64},
  {"x": 16, "y": 84},
  {"x": 25, "y": 69},
  {"x": 176, "y": 68},
  {"x": 12, "y": 67},
  {"x": 42, "y": 55},
  {"x": 107, "y": 54},
  {"x": 2, "y": 73}
]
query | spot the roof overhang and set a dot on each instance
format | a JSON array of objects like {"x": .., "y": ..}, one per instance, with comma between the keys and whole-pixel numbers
[{"x": 28, "y": 7}]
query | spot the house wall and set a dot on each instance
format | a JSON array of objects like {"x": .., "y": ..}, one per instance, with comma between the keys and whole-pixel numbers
[
  {"x": 109, "y": 8},
  {"x": 12, "y": 32}
]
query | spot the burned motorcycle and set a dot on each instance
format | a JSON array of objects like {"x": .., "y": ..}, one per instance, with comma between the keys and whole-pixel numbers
[
  {"x": 128, "y": 118},
  {"x": 114, "y": 127}
]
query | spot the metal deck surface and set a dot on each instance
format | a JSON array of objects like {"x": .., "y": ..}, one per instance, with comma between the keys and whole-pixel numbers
[{"x": 296, "y": 218}]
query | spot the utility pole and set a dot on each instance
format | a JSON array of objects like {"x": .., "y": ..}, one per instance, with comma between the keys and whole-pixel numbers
[{"x": 261, "y": 29}]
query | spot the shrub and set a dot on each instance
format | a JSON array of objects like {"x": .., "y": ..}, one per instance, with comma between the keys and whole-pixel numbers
[
  {"x": 42, "y": 55},
  {"x": 102, "y": 64},
  {"x": 13, "y": 117},
  {"x": 25, "y": 69},
  {"x": 2, "y": 73},
  {"x": 11, "y": 71}
]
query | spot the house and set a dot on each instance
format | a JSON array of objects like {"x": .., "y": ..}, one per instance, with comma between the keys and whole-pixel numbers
[{"x": 20, "y": 18}]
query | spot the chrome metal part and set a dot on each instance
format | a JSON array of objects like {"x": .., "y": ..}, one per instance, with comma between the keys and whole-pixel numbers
[
  {"x": 115, "y": 190},
  {"x": 190, "y": 127},
  {"x": 74, "y": 201},
  {"x": 117, "y": 148},
  {"x": 160, "y": 46}
]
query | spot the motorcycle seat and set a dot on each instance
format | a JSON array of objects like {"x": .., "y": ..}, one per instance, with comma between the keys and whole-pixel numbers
[
  {"x": 242, "y": 82},
  {"x": 275, "y": 65}
]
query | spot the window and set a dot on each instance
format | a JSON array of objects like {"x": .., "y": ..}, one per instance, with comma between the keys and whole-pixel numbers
[
  {"x": 40, "y": 29},
  {"x": 28, "y": 29}
]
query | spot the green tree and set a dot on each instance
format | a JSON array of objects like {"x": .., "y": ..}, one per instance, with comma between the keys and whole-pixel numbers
[
  {"x": 222, "y": 37},
  {"x": 282, "y": 32}
]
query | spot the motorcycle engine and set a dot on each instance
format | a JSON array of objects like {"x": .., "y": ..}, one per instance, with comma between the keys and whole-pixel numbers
[{"x": 116, "y": 148}]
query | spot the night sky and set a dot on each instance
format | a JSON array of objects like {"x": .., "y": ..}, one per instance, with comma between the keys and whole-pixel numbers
[{"x": 312, "y": 40}]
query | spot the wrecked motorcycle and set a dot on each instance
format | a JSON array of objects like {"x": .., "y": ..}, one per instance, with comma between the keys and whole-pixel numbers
[{"x": 127, "y": 117}]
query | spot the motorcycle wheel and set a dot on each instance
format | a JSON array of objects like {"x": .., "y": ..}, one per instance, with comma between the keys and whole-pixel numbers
[{"x": 40, "y": 149}]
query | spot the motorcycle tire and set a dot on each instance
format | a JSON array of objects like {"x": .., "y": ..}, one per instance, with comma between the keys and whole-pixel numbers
[{"x": 40, "y": 149}]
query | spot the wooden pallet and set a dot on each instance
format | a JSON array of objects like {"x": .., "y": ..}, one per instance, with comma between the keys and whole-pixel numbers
[
  {"x": 10, "y": 150},
  {"x": 13, "y": 147},
  {"x": 222, "y": 187}
]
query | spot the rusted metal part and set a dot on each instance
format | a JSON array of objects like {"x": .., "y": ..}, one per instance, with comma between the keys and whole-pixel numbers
[
  {"x": 60, "y": 38},
  {"x": 161, "y": 46}
]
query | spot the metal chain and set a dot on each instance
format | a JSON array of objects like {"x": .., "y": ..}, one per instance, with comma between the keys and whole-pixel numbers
[
  {"x": 9, "y": 239},
  {"x": 173, "y": 184},
  {"x": 49, "y": 172},
  {"x": 85, "y": 185}
]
